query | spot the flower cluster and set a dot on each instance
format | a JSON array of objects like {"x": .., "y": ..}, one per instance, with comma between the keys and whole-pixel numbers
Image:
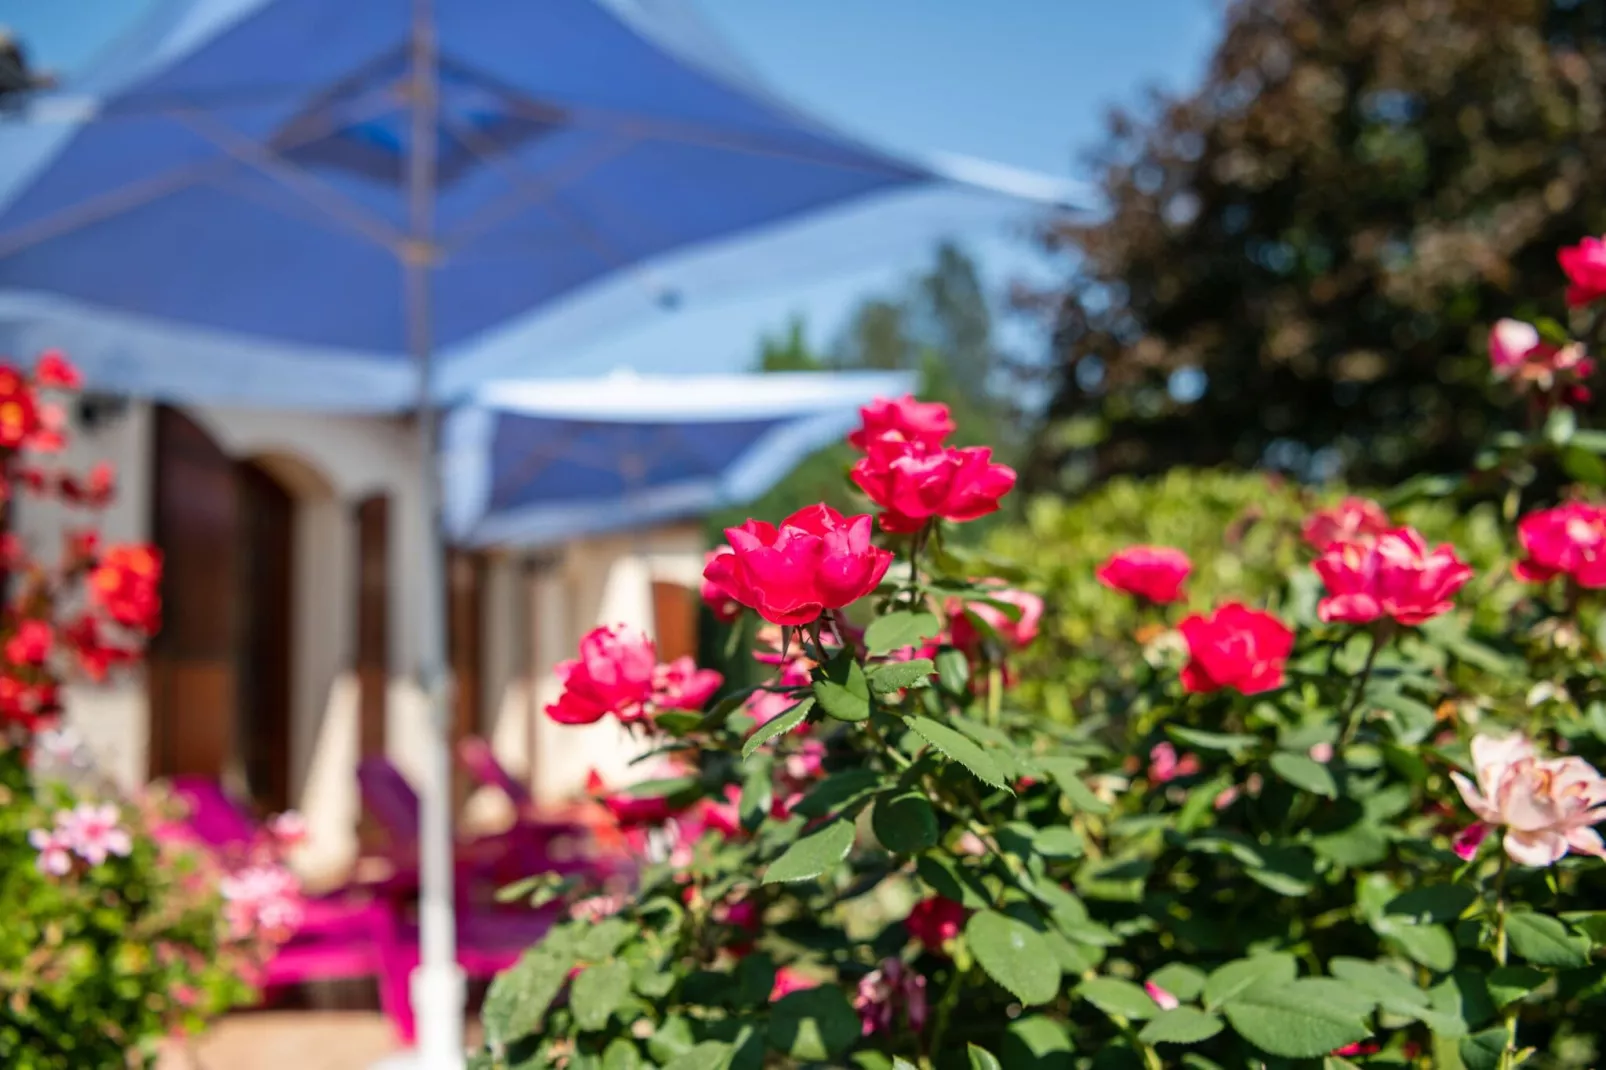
[
  {"x": 618, "y": 673},
  {"x": 914, "y": 479},
  {"x": 93, "y": 832}
]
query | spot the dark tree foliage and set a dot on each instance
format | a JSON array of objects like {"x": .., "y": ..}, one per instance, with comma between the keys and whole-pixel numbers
[{"x": 1300, "y": 262}]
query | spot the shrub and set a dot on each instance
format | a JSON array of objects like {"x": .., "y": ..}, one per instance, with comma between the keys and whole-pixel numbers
[{"x": 1340, "y": 814}]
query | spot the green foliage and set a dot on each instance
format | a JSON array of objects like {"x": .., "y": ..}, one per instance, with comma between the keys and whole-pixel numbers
[
  {"x": 1284, "y": 889},
  {"x": 99, "y": 965}
]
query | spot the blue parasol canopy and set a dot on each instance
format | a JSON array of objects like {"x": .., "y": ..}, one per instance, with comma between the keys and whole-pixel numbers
[{"x": 530, "y": 464}]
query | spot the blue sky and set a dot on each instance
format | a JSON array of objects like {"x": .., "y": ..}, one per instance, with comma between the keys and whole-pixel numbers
[{"x": 1022, "y": 82}]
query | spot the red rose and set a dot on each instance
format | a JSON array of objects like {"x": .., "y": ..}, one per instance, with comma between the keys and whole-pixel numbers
[
  {"x": 613, "y": 674},
  {"x": 724, "y": 608},
  {"x": 19, "y": 409},
  {"x": 914, "y": 482},
  {"x": 1585, "y": 265},
  {"x": 53, "y": 370},
  {"x": 817, "y": 559},
  {"x": 904, "y": 418},
  {"x": 30, "y": 644},
  {"x": 1351, "y": 520},
  {"x": 935, "y": 921},
  {"x": 1568, "y": 540},
  {"x": 1152, "y": 572},
  {"x": 1235, "y": 647},
  {"x": 681, "y": 685},
  {"x": 1395, "y": 577}
]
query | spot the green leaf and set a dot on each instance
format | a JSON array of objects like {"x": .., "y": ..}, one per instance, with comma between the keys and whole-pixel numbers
[
  {"x": 1390, "y": 989},
  {"x": 951, "y": 880},
  {"x": 1482, "y": 1051},
  {"x": 1433, "y": 903},
  {"x": 1015, "y": 955},
  {"x": 1362, "y": 844},
  {"x": 953, "y": 671},
  {"x": 1507, "y": 984},
  {"x": 1117, "y": 997},
  {"x": 1181, "y": 1025},
  {"x": 1067, "y": 776},
  {"x": 1460, "y": 1004},
  {"x": 1057, "y": 841},
  {"x": 1300, "y": 1019},
  {"x": 673, "y": 1038},
  {"x": 778, "y": 726},
  {"x": 1212, "y": 741},
  {"x": 959, "y": 747},
  {"x": 847, "y": 699},
  {"x": 904, "y": 823},
  {"x": 895, "y": 631},
  {"x": 1545, "y": 941},
  {"x": 621, "y": 1054},
  {"x": 1306, "y": 773},
  {"x": 897, "y": 675},
  {"x": 1036, "y": 1042},
  {"x": 1589, "y": 923},
  {"x": 813, "y": 854},
  {"x": 1181, "y": 980},
  {"x": 836, "y": 791},
  {"x": 517, "y": 1001},
  {"x": 813, "y": 1025},
  {"x": 603, "y": 939},
  {"x": 1240, "y": 975},
  {"x": 597, "y": 993},
  {"x": 1431, "y": 945},
  {"x": 981, "y": 1060},
  {"x": 709, "y": 1055}
]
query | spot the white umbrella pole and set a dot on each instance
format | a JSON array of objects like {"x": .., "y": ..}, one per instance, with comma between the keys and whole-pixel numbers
[{"x": 437, "y": 987}]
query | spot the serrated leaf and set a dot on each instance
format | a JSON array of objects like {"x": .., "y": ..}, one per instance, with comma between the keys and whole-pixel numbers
[
  {"x": 603, "y": 939},
  {"x": 597, "y": 993},
  {"x": 1227, "y": 982},
  {"x": 951, "y": 880},
  {"x": 778, "y": 726},
  {"x": 1013, "y": 954},
  {"x": 1212, "y": 741},
  {"x": 1058, "y": 841},
  {"x": 1181, "y": 1025},
  {"x": 897, "y": 675},
  {"x": 1433, "y": 903},
  {"x": 1507, "y": 984},
  {"x": 1305, "y": 773},
  {"x": 836, "y": 791},
  {"x": 1483, "y": 1051},
  {"x": 904, "y": 823},
  {"x": 980, "y": 1059},
  {"x": 1036, "y": 1042},
  {"x": 517, "y": 1001},
  {"x": 1390, "y": 989},
  {"x": 847, "y": 699},
  {"x": 1181, "y": 980},
  {"x": 1066, "y": 773},
  {"x": 813, "y": 1025},
  {"x": 1300, "y": 1019},
  {"x": 960, "y": 748},
  {"x": 1544, "y": 941},
  {"x": 1116, "y": 997},
  {"x": 812, "y": 855},
  {"x": 1460, "y": 1004},
  {"x": 895, "y": 631},
  {"x": 1431, "y": 945}
]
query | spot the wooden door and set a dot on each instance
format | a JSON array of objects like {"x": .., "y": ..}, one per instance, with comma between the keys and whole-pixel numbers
[
  {"x": 265, "y": 574},
  {"x": 372, "y": 643},
  {"x": 192, "y": 681},
  {"x": 674, "y": 611},
  {"x": 465, "y": 613}
]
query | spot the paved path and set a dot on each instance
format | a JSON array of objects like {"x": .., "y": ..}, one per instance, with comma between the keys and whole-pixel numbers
[{"x": 289, "y": 1040}]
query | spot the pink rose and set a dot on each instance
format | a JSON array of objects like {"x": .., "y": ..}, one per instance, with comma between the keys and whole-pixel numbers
[
  {"x": 1165, "y": 765},
  {"x": 1395, "y": 577},
  {"x": 787, "y": 981},
  {"x": 724, "y": 608},
  {"x": 1154, "y": 573},
  {"x": 681, "y": 685},
  {"x": 905, "y": 419},
  {"x": 935, "y": 921},
  {"x": 95, "y": 832},
  {"x": 1519, "y": 354},
  {"x": 613, "y": 674},
  {"x": 1013, "y": 631},
  {"x": 817, "y": 559},
  {"x": 914, "y": 482},
  {"x": 1351, "y": 520},
  {"x": 1546, "y": 807},
  {"x": 1569, "y": 540},
  {"x": 1235, "y": 647},
  {"x": 1585, "y": 265},
  {"x": 883, "y": 992}
]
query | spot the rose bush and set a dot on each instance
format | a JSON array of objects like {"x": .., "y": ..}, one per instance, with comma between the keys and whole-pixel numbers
[
  {"x": 116, "y": 932},
  {"x": 1336, "y": 803}
]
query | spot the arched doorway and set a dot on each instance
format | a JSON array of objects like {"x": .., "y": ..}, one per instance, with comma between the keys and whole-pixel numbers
[{"x": 220, "y": 669}]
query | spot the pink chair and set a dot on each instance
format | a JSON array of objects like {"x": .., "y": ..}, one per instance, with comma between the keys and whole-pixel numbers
[{"x": 349, "y": 934}]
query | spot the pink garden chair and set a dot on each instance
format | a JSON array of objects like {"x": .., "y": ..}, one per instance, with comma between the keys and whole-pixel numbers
[{"x": 350, "y": 934}]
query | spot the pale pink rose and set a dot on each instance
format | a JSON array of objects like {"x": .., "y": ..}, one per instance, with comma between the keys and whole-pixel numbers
[
  {"x": 1165, "y": 1000},
  {"x": 1545, "y": 806}
]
